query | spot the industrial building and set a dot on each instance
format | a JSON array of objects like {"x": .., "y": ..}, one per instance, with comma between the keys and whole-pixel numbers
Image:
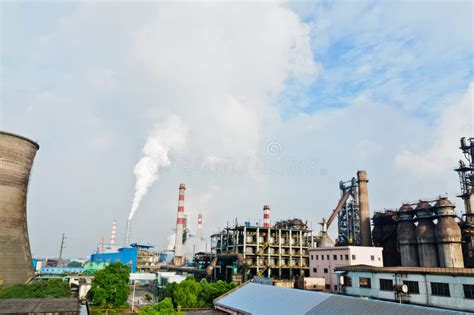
[
  {"x": 279, "y": 251},
  {"x": 323, "y": 261},
  {"x": 16, "y": 155},
  {"x": 449, "y": 288},
  {"x": 139, "y": 256},
  {"x": 253, "y": 298}
]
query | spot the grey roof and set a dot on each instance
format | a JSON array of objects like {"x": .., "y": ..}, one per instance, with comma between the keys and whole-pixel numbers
[
  {"x": 252, "y": 298},
  {"x": 47, "y": 305}
]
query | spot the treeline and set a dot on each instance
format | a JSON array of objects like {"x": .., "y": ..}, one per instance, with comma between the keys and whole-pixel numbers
[
  {"x": 187, "y": 294},
  {"x": 54, "y": 288}
]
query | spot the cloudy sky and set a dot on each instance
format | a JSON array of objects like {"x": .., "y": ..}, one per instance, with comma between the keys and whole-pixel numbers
[{"x": 271, "y": 103}]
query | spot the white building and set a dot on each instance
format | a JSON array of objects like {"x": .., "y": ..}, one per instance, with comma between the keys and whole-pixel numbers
[
  {"x": 323, "y": 260},
  {"x": 451, "y": 288}
]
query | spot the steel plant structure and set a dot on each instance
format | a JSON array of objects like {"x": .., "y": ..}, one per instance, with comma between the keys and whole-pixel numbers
[{"x": 16, "y": 159}]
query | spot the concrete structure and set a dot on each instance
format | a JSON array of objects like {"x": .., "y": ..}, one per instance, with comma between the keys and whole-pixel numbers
[
  {"x": 16, "y": 159},
  {"x": 147, "y": 259},
  {"x": 407, "y": 237},
  {"x": 252, "y": 298},
  {"x": 323, "y": 261},
  {"x": 425, "y": 235},
  {"x": 451, "y": 288},
  {"x": 178, "y": 244},
  {"x": 266, "y": 216},
  {"x": 280, "y": 252},
  {"x": 448, "y": 235},
  {"x": 311, "y": 284},
  {"x": 366, "y": 238}
]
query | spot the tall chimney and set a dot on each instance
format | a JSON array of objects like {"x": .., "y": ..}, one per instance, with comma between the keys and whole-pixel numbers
[
  {"x": 200, "y": 225},
  {"x": 178, "y": 244},
  {"x": 114, "y": 228},
  {"x": 266, "y": 216},
  {"x": 127, "y": 232},
  {"x": 366, "y": 238}
]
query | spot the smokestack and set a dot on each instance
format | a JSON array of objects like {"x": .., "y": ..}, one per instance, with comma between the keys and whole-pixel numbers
[
  {"x": 366, "y": 238},
  {"x": 178, "y": 244},
  {"x": 114, "y": 228},
  {"x": 266, "y": 216},
  {"x": 127, "y": 232},
  {"x": 200, "y": 226}
]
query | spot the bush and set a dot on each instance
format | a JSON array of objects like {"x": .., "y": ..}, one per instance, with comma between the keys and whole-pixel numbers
[
  {"x": 54, "y": 288},
  {"x": 110, "y": 286},
  {"x": 164, "y": 307}
]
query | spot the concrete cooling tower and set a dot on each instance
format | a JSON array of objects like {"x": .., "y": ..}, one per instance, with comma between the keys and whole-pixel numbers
[{"x": 16, "y": 158}]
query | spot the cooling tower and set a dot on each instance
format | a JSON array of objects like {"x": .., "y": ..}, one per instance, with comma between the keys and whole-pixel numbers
[
  {"x": 425, "y": 236},
  {"x": 16, "y": 158},
  {"x": 448, "y": 235},
  {"x": 406, "y": 231}
]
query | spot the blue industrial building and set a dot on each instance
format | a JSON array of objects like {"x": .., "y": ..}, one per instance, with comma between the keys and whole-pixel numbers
[{"x": 126, "y": 255}]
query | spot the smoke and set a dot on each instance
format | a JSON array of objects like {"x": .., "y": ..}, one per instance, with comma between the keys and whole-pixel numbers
[
  {"x": 171, "y": 241},
  {"x": 155, "y": 156}
]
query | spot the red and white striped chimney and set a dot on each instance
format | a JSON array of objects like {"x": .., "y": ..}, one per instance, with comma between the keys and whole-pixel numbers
[
  {"x": 178, "y": 245},
  {"x": 114, "y": 228},
  {"x": 266, "y": 216},
  {"x": 199, "y": 225}
]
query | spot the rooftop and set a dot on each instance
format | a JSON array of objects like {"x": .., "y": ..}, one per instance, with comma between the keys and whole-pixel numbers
[
  {"x": 26, "y": 306},
  {"x": 252, "y": 298},
  {"x": 422, "y": 270}
]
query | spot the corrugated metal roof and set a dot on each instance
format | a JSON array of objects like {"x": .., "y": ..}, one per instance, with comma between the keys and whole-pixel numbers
[
  {"x": 47, "y": 305},
  {"x": 252, "y": 298},
  {"x": 422, "y": 270}
]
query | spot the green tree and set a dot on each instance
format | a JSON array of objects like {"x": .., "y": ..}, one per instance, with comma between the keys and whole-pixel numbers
[
  {"x": 212, "y": 290},
  {"x": 164, "y": 307},
  {"x": 186, "y": 293},
  {"x": 74, "y": 263},
  {"x": 54, "y": 288},
  {"x": 110, "y": 286}
]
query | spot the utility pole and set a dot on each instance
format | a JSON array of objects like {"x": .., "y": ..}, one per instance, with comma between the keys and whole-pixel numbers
[{"x": 62, "y": 247}]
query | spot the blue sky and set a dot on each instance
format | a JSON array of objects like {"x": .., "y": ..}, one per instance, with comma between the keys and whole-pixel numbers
[{"x": 381, "y": 86}]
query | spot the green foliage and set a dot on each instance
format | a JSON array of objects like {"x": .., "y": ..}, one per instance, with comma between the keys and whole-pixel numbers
[
  {"x": 74, "y": 263},
  {"x": 164, "y": 307},
  {"x": 54, "y": 288},
  {"x": 110, "y": 286},
  {"x": 192, "y": 294}
]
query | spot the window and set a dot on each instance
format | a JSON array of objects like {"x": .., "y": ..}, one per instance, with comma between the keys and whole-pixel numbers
[
  {"x": 327, "y": 256},
  {"x": 334, "y": 257},
  {"x": 327, "y": 287},
  {"x": 325, "y": 270},
  {"x": 347, "y": 257},
  {"x": 468, "y": 291},
  {"x": 440, "y": 289},
  {"x": 315, "y": 269},
  {"x": 312, "y": 257},
  {"x": 317, "y": 257},
  {"x": 372, "y": 257},
  {"x": 386, "y": 284},
  {"x": 341, "y": 257},
  {"x": 353, "y": 257},
  {"x": 347, "y": 281},
  {"x": 412, "y": 287},
  {"x": 364, "y": 283},
  {"x": 335, "y": 287},
  {"x": 322, "y": 257}
]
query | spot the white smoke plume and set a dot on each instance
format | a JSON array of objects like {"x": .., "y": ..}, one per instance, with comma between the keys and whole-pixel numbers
[{"x": 155, "y": 156}]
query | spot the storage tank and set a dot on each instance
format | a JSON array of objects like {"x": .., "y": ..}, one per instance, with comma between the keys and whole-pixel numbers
[
  {"x": 425, "y": 236},
  {"x": 448, "y": 235},
  {"x": 16, "y": 158},
  {"x": 406, "y": 231}
]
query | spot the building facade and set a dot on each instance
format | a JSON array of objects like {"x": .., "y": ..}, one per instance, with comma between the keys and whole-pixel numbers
[
  {"x": 323, "y": 261},
  {"x": 451, "y": 288}
]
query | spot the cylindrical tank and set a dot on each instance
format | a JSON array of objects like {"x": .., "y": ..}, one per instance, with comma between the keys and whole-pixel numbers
[
  {"x": 448, "y": 235},
  {"x": 366, "y": 239},
  {"x": 16, "y": 159},
  {"x": 425, "y": 236},
  {"x": 407, "y": 237}
]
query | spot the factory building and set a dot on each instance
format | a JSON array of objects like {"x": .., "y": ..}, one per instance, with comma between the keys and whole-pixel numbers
[
  {"x": 16, "y": 155},
  {"x": 323, "y": 261},
  {"x": 279, "y": 251},
  {"x": 125, "y": 255},
  {"x": 384, "y": 235},
  {"x": 450, "y": 288}
]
